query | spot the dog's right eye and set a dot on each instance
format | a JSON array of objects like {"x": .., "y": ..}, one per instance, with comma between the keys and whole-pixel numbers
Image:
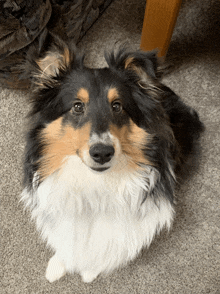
[
  {"x": 78, "y": 107},
  {"x": 117, "y": 106}
]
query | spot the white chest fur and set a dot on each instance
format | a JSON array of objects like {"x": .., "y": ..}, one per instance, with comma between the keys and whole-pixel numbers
[{"x": 96, "y": 221}]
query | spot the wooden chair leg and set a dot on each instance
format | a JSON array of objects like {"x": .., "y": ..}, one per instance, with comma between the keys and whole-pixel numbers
[{"x": 159, "y": 21}]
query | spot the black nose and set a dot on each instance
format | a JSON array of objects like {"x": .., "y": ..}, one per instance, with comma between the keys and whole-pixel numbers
[{"x": 101, "y": 153}]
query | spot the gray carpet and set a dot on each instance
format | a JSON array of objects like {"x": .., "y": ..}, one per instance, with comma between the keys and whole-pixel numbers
[{"x": 187, "y": 260}]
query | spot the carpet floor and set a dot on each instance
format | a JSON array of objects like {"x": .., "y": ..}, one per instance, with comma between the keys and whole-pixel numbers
[{"x": 187, "y": 260}]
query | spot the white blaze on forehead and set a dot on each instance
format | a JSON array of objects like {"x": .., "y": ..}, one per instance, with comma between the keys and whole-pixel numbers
[{"x": 104, "y": 138}]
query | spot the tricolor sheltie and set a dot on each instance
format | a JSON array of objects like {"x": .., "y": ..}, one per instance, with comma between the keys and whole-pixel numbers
[{"x": 101, "y": 157}]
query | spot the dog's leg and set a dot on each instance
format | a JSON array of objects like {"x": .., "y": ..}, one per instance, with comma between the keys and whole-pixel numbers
[
  {"x": 55, "y": 269},
  {"x": 88, "y": 276}
]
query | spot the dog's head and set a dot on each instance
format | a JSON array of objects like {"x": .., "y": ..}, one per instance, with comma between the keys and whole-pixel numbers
[{"x": 111, "y": 118}]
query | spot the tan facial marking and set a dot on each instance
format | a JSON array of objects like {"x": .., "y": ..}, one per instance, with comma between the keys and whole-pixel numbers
[
  {"x": 112, "y": 95},
  {"x": 60, "y": 141},
  {"x": 83, "y": 95},
  {"x": 132, "y": 139}
]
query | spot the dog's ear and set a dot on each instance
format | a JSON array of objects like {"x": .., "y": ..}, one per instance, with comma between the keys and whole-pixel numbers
[
  {"x": 53, "y": 62},
  {"x": 51, "y": 59},
  {"x": 143, "y": 64}
]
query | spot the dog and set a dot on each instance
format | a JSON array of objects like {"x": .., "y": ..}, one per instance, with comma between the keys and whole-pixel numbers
[{"x": 101, "y": 158}]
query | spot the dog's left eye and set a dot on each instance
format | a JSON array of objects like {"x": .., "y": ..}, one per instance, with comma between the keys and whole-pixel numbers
[
  {"x": 117, "y": 106},
  {"x": 78, "y": 107}
]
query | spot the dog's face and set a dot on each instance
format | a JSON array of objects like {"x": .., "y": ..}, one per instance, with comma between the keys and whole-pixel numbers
[
  {"x": 107, "y": 117},
  {"x": 99, "y": 122}
]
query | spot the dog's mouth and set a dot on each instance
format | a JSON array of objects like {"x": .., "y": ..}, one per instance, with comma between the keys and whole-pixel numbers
[
  {"x": 96, "y": 168},
  {"x": 99, "y": 169}
]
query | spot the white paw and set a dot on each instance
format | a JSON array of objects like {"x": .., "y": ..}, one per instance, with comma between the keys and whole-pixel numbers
[
  {"x": 55, "y": 269},
  {"x": 88, "y": 277}
]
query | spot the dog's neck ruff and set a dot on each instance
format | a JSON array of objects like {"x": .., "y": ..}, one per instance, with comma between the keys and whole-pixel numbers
[
  {"x": 75, "y": 187},
  {"x": 91, "y": 218}
]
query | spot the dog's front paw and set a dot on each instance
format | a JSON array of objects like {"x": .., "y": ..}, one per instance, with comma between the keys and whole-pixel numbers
[
  {"x": 55, "y": 269},
  {"x": 88, "y": 277}
]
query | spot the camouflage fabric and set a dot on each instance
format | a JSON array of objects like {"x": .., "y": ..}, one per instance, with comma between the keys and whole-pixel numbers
[{"x": 22, "y": 22}]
